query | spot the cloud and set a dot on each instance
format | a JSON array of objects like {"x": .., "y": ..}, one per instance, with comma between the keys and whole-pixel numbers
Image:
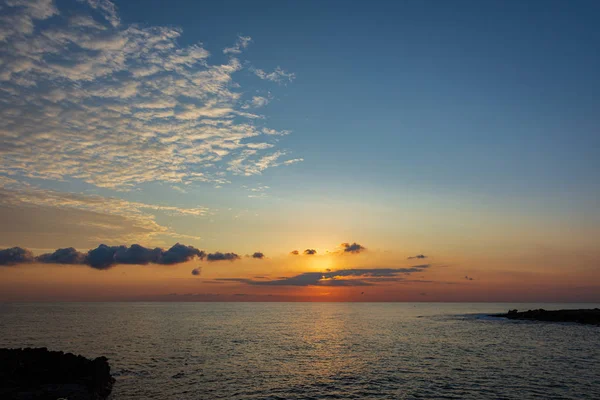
[
  {"x": 137, "y": 254},
  {"x": 15, "y": 255},
  {"x": 180, "y": 253},
  {"x": 278, "y": 75},
  {"x": 105, "y": 257},
  {"x": 62, "y": 256},
  {"x": 420, "y": 256},
  {"x": 218, "y": 256},
  {"x": 241, "y": 43},
  {"x": 294, "y": 252},
  {"x": 468, "y": 278},
  {"x": 343, "y": 277},
  {"x": 353, "y": 248},
  {"x": 88, "y": 97},
  {"x": 196, "y": 271},
  {"x": 258, "y": 255},
  {"x": 310, "y": 252},
  {"x": 45, "y": 214},
  {"x": 257, "y": 102}
]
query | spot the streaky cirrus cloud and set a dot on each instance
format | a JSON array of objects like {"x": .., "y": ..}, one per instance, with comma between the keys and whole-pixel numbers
[
  {"x": 88, "y": 96},
  {"x": 343, "y": 277},
  {"x": 218, "y": 256},
  {"x": 353, "y": 248},
  {"x": 140, "y": 217}
]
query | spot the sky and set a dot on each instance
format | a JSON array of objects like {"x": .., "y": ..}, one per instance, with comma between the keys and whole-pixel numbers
[{"x": 299, "y": 151}]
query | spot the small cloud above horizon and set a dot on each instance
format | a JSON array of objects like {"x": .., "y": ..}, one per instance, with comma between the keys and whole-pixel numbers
[
  {"x": 354, "y": 248},
  {"x": 218, "y": 256}
]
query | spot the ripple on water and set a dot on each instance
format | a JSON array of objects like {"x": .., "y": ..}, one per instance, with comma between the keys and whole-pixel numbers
[{"x": 316, "y": 351}]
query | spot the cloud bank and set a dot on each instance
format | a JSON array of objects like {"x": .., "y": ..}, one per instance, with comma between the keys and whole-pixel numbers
[{"x": 105, "y": 257}]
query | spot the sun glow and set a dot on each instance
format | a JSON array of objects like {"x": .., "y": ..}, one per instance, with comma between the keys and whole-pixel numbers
[{"x": 320, "y": 263}]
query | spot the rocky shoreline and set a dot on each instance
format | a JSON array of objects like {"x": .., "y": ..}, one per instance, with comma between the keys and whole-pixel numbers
[
  {"x": 37, "y": 373},
  {"x": 581, "y": 316}
]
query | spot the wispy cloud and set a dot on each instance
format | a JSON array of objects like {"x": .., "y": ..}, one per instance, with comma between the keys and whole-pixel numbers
[
  {"x": 256, "y": 102},
  {"x": 241, "y": 43},
  {"x": 88, "y": 97},
  {"x": 90, "y": 209},
  {"x": 278, "y": 75},
  {"x": 343, "y": 277}
]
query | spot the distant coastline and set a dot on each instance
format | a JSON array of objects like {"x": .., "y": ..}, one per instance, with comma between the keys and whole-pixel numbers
[{"x": 581, "y": 316}]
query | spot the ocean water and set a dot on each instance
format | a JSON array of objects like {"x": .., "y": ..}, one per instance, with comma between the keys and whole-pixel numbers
[{"x": 318, "y": 350}]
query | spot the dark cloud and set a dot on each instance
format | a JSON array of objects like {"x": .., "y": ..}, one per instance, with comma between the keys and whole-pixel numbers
[
  {"x": 15, "y": 255},
  {"x": 336, "y": 278},
  {"x": 352, "y": 248},
  {"x": 196, "y": 271},
  {"x": 310, "y": 252},
  {"x": 468, "y": 278},
  {"x": 421, "y": 256},
  {"x": 241, "y": 280},
  {"x": 294, "y": 252},
  {"x": 180, "y": 253},
  {"x": 104, "y": 257},
  {"x": 137, "y": 254},
  {"x": 258, "y": 255},
  {"x": 62, "y": 256},
  {"x": 218, "y": 256},
  {"x": 344, "y": 282}
]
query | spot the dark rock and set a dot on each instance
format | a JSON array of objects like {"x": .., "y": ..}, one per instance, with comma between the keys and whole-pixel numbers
[
  {"x": 49, "y": 375},
  {"x": 582, "y": 316}
]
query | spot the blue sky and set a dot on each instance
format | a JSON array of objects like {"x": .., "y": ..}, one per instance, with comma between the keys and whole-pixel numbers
[{"x": 483, "y": 97}]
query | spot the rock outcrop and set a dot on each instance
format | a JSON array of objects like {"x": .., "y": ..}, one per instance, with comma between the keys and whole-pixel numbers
[
  {"x": 36, "y": 373},
  {"x": 582, "y": 316}
]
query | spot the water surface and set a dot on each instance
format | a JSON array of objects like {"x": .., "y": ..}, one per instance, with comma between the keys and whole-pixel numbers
[{"x": 318, "y": 350}]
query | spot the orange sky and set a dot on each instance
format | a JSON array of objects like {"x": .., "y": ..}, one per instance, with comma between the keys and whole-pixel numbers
[{"x": 445, "y": 278}]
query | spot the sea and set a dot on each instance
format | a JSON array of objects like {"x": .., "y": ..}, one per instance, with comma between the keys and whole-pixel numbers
[{"x": 318, "y": 350}]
